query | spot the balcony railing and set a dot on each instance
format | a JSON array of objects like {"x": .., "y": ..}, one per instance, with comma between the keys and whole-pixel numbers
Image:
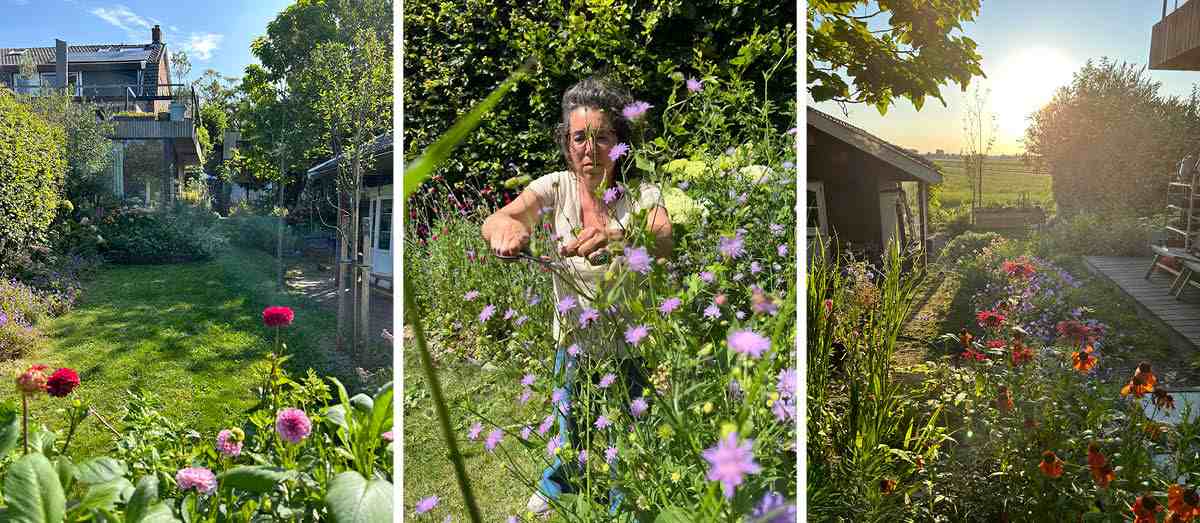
[{"x": 1175, "y": 40}]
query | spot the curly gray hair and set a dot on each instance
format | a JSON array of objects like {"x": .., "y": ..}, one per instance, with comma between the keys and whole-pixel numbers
[{"x": 595, "y": 92}]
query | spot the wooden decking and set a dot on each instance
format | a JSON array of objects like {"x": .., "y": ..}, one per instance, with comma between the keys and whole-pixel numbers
[{"x": 1181, "y": 317}]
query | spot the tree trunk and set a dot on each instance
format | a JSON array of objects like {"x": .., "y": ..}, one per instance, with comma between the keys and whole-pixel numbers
[
  {"x": 364, "y": 309},
  {"x": 342, "y": 265},
  {"x": 279, "y": 229}
]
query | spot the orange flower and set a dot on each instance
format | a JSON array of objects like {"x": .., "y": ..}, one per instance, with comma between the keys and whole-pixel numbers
[
  {"x": 1163, "y": 400},
  {"x": 1083, "y": 361},
  {"x": 1142, "y": 382},
  {"x": 1051, "y": 466},
  {"x": 1104, "y": 475},
  {"x": 1021, "y": 353},
  {"x": 1144, "y": 509},
  {"x": 1004, "y": 402},
  {"x": 1095, "y": 457},
  {"x": 964, "y": 339},
  {"x": 1184, "y": 503},
  {"x": 887, "y": 486}
]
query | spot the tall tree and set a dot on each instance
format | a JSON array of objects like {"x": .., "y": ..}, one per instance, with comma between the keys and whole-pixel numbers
[{"x": 910, "y": 56}]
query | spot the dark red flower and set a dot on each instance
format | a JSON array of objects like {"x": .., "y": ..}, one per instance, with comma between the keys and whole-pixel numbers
[
  {"x": 1075, "y": 331},
  {"x": 62, "y": 382},
  {"x": 277, "y": 316},
  {"x": 990, "y": 319}
]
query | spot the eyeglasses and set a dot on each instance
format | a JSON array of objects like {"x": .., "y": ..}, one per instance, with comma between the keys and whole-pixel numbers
[{"x": 605, "y": 139}]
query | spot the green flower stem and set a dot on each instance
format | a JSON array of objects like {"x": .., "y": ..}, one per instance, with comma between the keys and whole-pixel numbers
[
  {"x": 439, "y": 401},
  {"x": 25, "y": 421}
]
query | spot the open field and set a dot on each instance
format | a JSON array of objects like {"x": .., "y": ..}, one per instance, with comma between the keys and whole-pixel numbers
[{"x": 1004, "y": 181}]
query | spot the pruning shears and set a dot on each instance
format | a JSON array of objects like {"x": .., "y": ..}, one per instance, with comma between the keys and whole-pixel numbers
[{"x": 600, "y": 258}]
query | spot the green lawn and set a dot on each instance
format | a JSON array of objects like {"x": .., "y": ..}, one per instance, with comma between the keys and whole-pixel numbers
[
  {"x": 187, "y": 332},
  {"x": 1004, "y": 181},
  {"x": 427, "y": 467}
]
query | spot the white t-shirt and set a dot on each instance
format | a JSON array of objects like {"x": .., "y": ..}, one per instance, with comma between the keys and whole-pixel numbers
[{"x": 559, "y": 193}]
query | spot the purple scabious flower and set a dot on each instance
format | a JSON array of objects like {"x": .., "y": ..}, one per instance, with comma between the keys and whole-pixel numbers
[
  {"x": 730, "y": 462},
  {"x": 634, "y": 335},
  {"x": 583, "y": 456},
  {"x": 566, "y": 304},
  {"x": 610, "y": 454},
  {"x": 782, "y": 250},
  {"x": 525, "y": 433},
  {"x": 534, "y": 300},
  {"x": 755, "y": 268},
  {"x": 694, "y": 85},
  {"x": 521, "y": 320},
  {"x": 607, "y": 380},
  {"x": 200, "y": 479},
  {"x": 558, "y": 395},
  {"x": 748, "y": 342},
  {"x": 669, "y": 305},
  {"x": 554, "y": 444},
  {"x": 293, "y": 425},
  {"x": 784, "y": 409},
  {"x": 712, "y": 311},
  {"x": 774, "y": 508},
  {"x": 786, "y": 386},
  {"x": 741, "y": 315},
  {"x": 508, "y": 314},
  {"x": 473, "y": 433},
  {"x": 612, "y": 194},
  {"x": 793, "y": 130},
  {"x": 707, "y": 276},
  {"x": 426, "y": 504},
  {"x": 602, "y": 422},
  {"x": 487, "y": 313},
  {"x": 732, "y": 247},
  {"x": 638, "y": 259},
  {"x": 525, "y": 395},
  {"x": 471, "y": 295},
  {"x": 635, "y": 110},
  {"x": 528, "y": 379},
  {"x": 618, "y": 151},
  {"x": 638, "y": 407},
  {"x": 493, "y": 439},
  {"x": 573, "y": 350},
  {"x": 788, "y": 165},
  {"x": 735, "y": 389},
  {"x": 776, "y": 229},
  {"x": 545, "y": 425},
  {"x": 588, "y": 317}
]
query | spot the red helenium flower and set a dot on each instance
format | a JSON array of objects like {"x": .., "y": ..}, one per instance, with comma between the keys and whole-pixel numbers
[
  {"x": 277, "y": 316},
  {"x": 62, "y": 382}
]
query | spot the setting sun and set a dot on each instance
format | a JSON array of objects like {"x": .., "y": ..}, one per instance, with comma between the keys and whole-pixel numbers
[{"x": 1023, "y": 83}]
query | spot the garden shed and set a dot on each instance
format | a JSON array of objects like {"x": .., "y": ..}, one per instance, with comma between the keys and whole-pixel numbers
[{"x": 855, "y": 187}]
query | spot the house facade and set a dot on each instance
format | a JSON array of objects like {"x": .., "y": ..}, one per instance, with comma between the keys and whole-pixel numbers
[
  {"x": 132, "y": 85},
  {"x": 856, "y": 188}
]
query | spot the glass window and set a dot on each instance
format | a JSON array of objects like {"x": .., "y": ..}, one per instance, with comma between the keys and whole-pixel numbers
[{"x": 385, "y": 225}]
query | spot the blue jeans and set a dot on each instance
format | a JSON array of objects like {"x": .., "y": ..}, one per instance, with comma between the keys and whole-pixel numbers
[{"x": 557, "y": 478}]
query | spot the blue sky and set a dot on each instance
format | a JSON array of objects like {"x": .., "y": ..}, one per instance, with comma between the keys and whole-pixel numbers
[
  {"x": 1028, "y": 49},
  {"x": 215, "y": 34}
]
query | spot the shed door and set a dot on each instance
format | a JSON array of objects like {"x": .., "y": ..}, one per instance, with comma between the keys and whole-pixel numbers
[
  {"x": 381, "y": 236},
  {"x": 817, "y": 222}
]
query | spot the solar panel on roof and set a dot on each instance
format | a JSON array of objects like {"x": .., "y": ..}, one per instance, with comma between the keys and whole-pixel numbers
[{"x": 119, "y": 55}]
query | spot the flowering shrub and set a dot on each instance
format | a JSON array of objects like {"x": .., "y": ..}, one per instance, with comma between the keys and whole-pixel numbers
[{"x": 699, "y": 424}]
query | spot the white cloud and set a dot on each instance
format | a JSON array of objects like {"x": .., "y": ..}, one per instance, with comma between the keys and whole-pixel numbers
[
  {"x": 124, "y": 19},
  {"x": 200, "y": 46}
]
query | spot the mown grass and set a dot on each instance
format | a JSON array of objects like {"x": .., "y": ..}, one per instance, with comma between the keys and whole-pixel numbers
[
  {"x": 190, "y": 333},
  {"x": 427, "y": 467}
]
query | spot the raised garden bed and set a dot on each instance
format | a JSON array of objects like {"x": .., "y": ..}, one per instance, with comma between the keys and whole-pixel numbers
[{"x": 1009, "y": 218}]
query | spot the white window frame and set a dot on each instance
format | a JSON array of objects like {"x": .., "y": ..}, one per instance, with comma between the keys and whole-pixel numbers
[{"x": 822, "y": 219}]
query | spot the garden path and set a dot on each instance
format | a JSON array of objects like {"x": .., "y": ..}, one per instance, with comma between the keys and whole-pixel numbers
[{"x": 308, "y": 277}]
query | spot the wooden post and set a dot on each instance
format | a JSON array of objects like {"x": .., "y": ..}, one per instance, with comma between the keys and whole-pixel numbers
[
  {"x": 923, "y": 204},
  {"x": 364, "y": 318},
  {"x": 343, "y": 262},
  {"x": 279, "y": 285}
]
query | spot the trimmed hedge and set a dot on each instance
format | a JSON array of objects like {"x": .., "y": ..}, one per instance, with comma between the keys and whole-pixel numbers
[
  {"x": 458, "y": 51},
  {"x": 33, "y": 164}
]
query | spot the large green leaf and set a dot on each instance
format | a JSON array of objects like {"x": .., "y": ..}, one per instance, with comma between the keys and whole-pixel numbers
[
  {"x": 353, "y": 499},
  {"x": 158, "y": 513},
  {"x": 382, "y": 415},
  {"x": 257, "y": 479},
  {"x": 100, "y": 497},
  {"x": 145, "y": 495},
  {"x": 10, "y": 426},
  {"x": 100, "y": 470},
  {"x": 32, "y": 491},
  {"x": 674, "y": 515}
]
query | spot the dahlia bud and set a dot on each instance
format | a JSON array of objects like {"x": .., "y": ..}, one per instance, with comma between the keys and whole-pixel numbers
[{"x": 33, "y": 380}]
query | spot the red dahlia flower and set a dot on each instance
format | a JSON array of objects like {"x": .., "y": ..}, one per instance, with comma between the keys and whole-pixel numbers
[
  {"x": 62, "y": 382},
  {"x": 277, "y": 316}
]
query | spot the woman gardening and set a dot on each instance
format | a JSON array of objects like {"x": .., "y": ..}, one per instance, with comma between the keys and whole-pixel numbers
[{"x": 589, "y": 213}]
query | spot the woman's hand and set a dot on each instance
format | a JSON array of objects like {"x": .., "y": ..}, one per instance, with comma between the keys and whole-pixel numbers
[
  {"x": 590, "y": 240},
  {"x": 508, "y": 237}
]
